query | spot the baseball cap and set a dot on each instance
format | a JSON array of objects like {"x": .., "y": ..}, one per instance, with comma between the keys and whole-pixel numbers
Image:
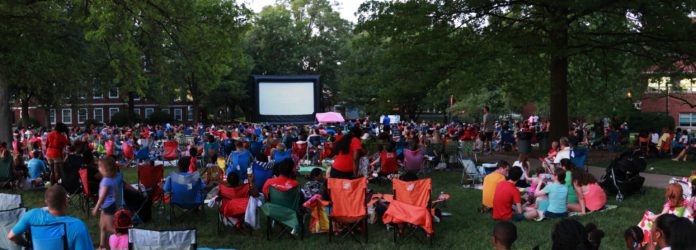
[{"x": 123, "y": 219}]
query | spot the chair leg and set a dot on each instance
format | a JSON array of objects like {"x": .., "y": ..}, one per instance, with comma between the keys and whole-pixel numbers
[
  {"x": 365, "y": 229},
  {"x": 396, "y": 232},
  {"x": 171, "y": 214},
  {"x": 268, "y": 228},
  {"x": 330, "y": 229}
]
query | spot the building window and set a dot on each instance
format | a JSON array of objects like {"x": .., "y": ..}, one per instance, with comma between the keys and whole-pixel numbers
[
  {"x": 97, "y": 94},
  {"x": 137, "y": 111},
  {"x": 99, "y": 115},
  {"x": 112, "y": 112},
  {"x": 81, "y": 115},
  {"x": 51, "y": 116},
  {"x": 189, "y": 114},
  {"x": 178, "y": 115},
  {"x": 136, "y": 97},
  {"x": 687, "y": 119},
  {"x": 66, "y": 116},
  {"x": 148, "y": 112},
  {"x": 113, "y": 93}
]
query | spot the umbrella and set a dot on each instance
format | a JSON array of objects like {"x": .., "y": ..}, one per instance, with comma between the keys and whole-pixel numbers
[{"x": 329, "y": 117}]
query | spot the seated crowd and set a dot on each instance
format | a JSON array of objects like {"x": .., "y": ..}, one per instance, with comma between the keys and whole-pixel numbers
[{"x": 248, "y": 162}]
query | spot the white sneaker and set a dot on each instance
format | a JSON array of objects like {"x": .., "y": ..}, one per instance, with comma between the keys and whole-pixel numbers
[{"x": 541, "y": 216}]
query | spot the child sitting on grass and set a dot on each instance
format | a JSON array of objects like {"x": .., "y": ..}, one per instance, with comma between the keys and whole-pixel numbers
[
  {"x": 122, "y": 222},
  {"x": 675, "y": 203},
  {"x": 541, "y": 202},
  {"x": 551, "y": 156}
]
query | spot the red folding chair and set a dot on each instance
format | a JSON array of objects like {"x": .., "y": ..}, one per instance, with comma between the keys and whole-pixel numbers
[
  {"x": 89, "y": 195},
  {"x": 233, "y": 204},
  {"x": 348, "y": 207},
  {"x": 411, "y": 208},
  {"x": 150, "y": 179},
  {"x": 171, "y": 152}
]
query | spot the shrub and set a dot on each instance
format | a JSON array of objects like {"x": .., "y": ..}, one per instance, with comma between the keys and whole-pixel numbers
[
  {"x": 159, "y": 117},
  {"x": 122, "y": 118},
  {"x": 640, "y": 121},
  {"x": 28, "y": 122}
]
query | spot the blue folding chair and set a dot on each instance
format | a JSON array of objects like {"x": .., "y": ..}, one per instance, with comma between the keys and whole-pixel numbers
[
  {"x": 261, "y": 175},
  {"x": 51, "y": 236},
  {"x": 185, "y": 193},
  {"x": 8, "y": 219},
  {"x": 579, "y": 156}
]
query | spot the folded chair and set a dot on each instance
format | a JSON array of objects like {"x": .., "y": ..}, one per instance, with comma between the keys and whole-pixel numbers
[
  {"x": 348, "y": 207},
  {"x": 8, "y": 219},
  {"x": 90, "y": 191},
  {"x": 283, "y": 210},
  {"x": 150, "y": 178},
  {"x": 233, "y": 204},
  {"x": 51, "y": 236},
  {"x": 261, "y": 174},
  {"x": 70, "y": 180},
  {"x": 161, "y": 240},
  {"x": 411, "y": 208},
  {"x": 10, "y": 201},
  {"x": 6, "y": 176},
  {"x": 185, "y": 193}
]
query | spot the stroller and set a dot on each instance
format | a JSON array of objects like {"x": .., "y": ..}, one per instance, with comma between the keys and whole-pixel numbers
[{"x": 622, "y": 177}]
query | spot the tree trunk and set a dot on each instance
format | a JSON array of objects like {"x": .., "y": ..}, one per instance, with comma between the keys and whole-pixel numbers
[
  {"x": 25, "y": 111},
  {"x": 131, "y": 107},
  {"x": 559, "y": 82},
  {"x": 6, "y": 115}
]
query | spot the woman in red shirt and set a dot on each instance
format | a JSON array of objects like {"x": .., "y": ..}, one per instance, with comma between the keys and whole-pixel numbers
[
  {"x": 55, "y": 144},
  {"x": 347, "y": 155}
]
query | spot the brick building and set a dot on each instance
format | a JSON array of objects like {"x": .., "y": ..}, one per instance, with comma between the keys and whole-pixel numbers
[
  {"x": 672, "y": 91},
  {"x": 101, "y": 107}
]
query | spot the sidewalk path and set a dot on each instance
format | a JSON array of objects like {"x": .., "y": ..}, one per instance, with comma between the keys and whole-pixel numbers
[{"x": 651, "y": 180}]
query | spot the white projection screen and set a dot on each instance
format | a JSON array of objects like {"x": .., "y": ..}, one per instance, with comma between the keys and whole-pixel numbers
[{"x": 286, "y": 98}]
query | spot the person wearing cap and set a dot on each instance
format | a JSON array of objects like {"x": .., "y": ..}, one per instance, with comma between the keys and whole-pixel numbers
[
  {"x": 122, "y": 222},
  {"x": 56, "y": 199}
]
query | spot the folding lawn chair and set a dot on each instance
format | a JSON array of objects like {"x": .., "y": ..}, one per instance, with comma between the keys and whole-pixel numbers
[
  {"x": 89, "y": 191},
  {"x": 283, "y": 209},
  {"x": 261, "y": 175},
  {"x": 70, "y": 180},
  {"x": 171, "y": 152},
  {"x": 233, "y": 204},
  {"x": 579, "y": 156},
  {"x": 470, "y": 173},
  {"x": 162, "y": 240},
  {"x": 6, "y": 177},
  {"x": 348, "y": 207},
  {"x": 8, "y": 218},
  {"x": 51, "y": 236},
  {"x": 150, "y": 178},
  {"x": 185, "y": 193},
  {"x": 411, "y": 208},
  {"x": 10, "y": 201}
]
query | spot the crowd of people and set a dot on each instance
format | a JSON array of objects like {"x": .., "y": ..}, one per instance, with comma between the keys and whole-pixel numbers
[{"x": 371, "y": 149}]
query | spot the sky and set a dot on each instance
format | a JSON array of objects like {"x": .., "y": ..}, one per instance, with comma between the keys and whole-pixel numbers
[{"x": 347, "y": 8}]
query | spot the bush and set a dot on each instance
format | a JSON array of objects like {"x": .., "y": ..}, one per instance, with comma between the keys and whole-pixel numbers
[
  {"x": 649, "y": 121},
  {"x": 90, "y": 122},
  {"x": 28, "y": 122},
  {"x": 159, "y": 118},
  {"x": 122, "y": 118}
]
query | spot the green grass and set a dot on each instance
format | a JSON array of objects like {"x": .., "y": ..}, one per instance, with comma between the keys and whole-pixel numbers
[{"x": 466, "y": 229}]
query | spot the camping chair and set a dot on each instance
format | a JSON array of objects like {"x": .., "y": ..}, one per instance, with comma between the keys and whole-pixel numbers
[
  {"x": 171, "y": 152},
  {"x": 233, "y": 203},
  {"x": 150, "y": 178},
  {"x": 644, "y": 145},
  {"x": 6, "y": 176},
  {"x": 185, "y": 193},
  {"x": 261, "y": 175},
  {"x": 70, "y": 180},
  {"x": 470, "y": 173},
  {"x": 51, "y": 236},
  {"x": 161, "y": 240},
  {"x": 283, "y": 209},
  {"x": 10, "y": 201},
  {"x": 8, "y": 219},
  {"x": 411, "y": 207},
  {"x": 89, "y": 191},
  {"x": 579, "y": 157},
  {"x": 348, "y": 206}
]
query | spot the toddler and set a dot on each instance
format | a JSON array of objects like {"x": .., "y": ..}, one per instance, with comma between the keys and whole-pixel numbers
[{"x": 122, "y": 222}]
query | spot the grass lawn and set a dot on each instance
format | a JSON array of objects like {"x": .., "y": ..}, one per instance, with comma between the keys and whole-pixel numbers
[{"x": 466, "y": 229}]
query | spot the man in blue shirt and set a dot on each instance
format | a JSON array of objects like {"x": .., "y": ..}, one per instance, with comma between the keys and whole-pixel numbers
[
  {"x": 57, "y": 202},
  {"x": 36, "y": 167}
]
